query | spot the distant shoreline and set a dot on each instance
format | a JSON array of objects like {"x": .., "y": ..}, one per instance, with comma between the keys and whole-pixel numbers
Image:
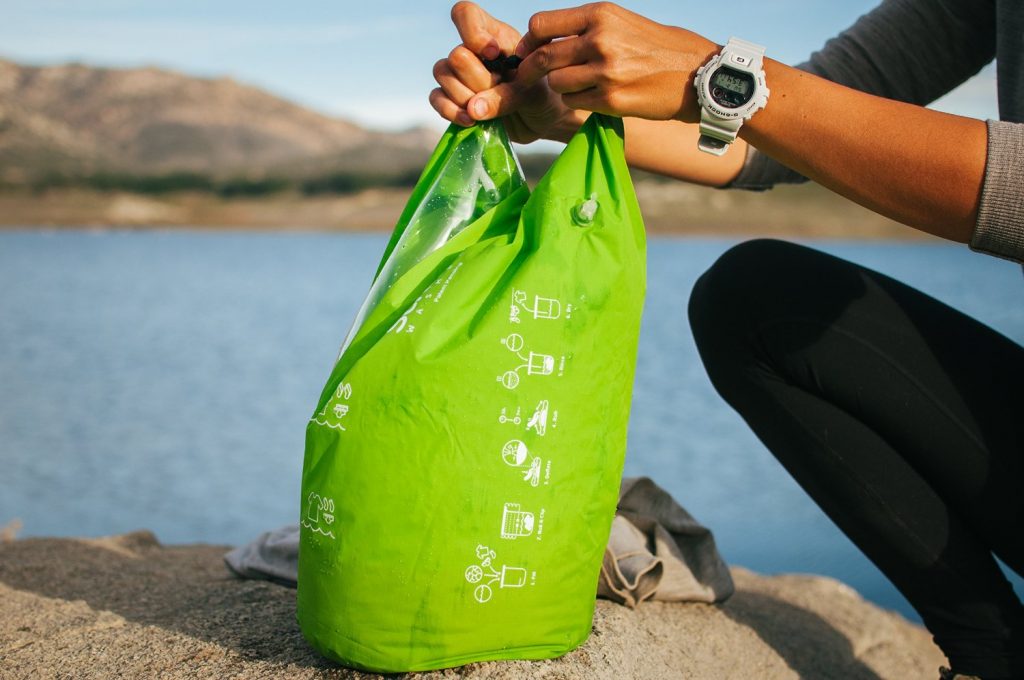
[{"x": 669, "y": 208}]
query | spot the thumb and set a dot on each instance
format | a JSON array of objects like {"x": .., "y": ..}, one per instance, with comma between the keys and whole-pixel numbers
[
  {"x": 500, "y": 100},
  {"x": 473, "y": 25}
]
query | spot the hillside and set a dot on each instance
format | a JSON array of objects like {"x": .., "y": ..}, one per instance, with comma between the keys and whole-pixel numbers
[
  {"x": 74, "y": 119},
  {"x": 88, "y": 146}
]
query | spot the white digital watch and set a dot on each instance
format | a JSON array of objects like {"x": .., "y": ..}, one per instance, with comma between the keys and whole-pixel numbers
[{"x": 730, "y": 89}]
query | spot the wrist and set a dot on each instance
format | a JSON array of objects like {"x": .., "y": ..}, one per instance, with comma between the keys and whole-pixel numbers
[
  {"x": 566, "y": 126},
  {"x": 701, "y": 53}
]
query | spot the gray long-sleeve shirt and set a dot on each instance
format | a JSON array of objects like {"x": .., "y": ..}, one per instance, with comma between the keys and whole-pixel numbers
[{"x": 916, "y": 51}]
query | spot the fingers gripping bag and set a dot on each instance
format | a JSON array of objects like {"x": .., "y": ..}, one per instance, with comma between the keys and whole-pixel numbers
[{"x": 462, "y": 465}]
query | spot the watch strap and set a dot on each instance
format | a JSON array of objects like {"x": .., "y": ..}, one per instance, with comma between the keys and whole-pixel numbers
[
  {"x": 716, "y": 134},
  {"x": 748, "y": 50}
]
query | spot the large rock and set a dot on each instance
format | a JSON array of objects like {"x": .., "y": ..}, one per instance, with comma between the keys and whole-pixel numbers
[{"x": 127, "y": 607}]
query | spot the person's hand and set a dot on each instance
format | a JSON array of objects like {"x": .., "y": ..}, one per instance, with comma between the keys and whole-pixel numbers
[
  {"x": 532, "y": 110},
  {"x": 601, "y": 57}
]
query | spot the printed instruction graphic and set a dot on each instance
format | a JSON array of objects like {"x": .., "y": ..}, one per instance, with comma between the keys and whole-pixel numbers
[
  {"x": 542, "y": 418},
  {"x": 535, "y": 363},
  {"x": 515, "y": 454},
  {"x": 516, "y": 522},
  {"x": 509, "y": 416},
  {"x": 336, "y": 408},
  {"x": 538, "y": 422},
  {"x": 403, "y": 325},
  {"x": 433, "y": 293},
  {"x": 539, "y": 308},
  {"x": 319, "y": 515},
  {"x": 488, "y": 576}
]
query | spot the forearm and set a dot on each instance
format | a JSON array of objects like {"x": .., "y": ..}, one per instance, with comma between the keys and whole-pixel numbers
[
  {"x": 670, "y": 148},
  {"x": 919, "y": 167}
]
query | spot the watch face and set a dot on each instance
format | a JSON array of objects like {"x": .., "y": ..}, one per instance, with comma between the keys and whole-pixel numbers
[{"x": 731, "y": 88}]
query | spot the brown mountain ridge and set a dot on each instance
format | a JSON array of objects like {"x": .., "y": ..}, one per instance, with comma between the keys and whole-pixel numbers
[
  {"x": 81, "y": 145},
  {"x": 74, "y": 119}
]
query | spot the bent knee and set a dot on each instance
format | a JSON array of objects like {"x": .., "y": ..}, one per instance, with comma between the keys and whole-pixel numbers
[
  {"x": 725, "y": 298},
  {"x": 749, "y": 288},
  {"x": 766, "y": 278}
]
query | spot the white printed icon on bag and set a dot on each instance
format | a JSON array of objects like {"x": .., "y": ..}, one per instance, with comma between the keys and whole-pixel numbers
[
  {"x": 543, "y": 417},
  {"x": 535, "y": 363},
  {"x": 515, "y": 454},
  {"x": 432, "y": 294},
  {"x": 542, "y": 307},
  {"x": 516, "y": 522},
  {"x": 402, "y": 325},
  {"x": 488, "y": 576},
  {"x": 319, "y": 514},
  {"x": 336, "y": 408},
  {"x": 508, "y": 416},
  {"x": 539, "y": 420}
]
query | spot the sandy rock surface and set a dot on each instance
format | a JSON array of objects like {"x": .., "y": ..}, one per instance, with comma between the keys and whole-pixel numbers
[{"x": 127, "y": 607}]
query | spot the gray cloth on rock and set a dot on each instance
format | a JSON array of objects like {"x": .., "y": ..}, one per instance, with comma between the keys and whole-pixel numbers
[
  {"x": 656, "y": 550},
  {"x": 915, "y": 51},
  {"x": 273, "y": 556}
]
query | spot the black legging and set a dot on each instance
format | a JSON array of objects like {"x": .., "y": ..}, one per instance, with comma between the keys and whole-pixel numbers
[{"x": 903, "y": 419}]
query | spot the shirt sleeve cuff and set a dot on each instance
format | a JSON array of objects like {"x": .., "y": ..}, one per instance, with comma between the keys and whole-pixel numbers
[
  {"x": 999, "y": 230},
  {"x": 761, "y": 172}
]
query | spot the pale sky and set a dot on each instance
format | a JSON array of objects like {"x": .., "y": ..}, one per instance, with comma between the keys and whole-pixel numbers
[{"x": 371, "y": 61}]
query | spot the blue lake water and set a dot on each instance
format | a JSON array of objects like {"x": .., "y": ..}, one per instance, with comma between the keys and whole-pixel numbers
[{"x": 164, "y": 380}]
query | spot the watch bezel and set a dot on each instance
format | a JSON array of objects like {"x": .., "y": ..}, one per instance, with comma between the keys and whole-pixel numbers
[
  {"x": 707, "y": 102},
  {"x": 746, "y": 76}
]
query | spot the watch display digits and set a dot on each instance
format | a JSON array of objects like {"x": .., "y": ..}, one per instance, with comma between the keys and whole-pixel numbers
[{"x": 730, "y": 89}]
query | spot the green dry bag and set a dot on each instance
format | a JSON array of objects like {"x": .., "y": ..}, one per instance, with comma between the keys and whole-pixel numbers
[{"x": 463, "y": 463}]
